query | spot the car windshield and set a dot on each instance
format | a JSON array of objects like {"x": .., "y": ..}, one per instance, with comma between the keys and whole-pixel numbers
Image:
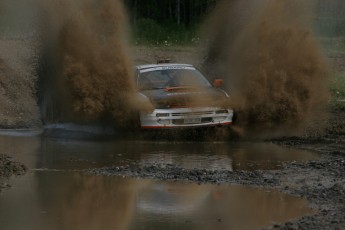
[{"x": 161, "y": 78}]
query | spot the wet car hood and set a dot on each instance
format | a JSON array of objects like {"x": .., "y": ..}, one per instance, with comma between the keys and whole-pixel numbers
[{"x": 185, "y": 97}]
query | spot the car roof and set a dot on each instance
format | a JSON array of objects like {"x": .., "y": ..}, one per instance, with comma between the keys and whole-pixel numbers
[{"x": 142, "y": 67}]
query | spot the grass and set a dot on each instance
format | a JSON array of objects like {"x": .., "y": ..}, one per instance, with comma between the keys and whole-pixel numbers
[
  {"x": 330, "y": 25},
  {"x": 150, "y": 33},
  {"x": 333, "y": 44},
  {"x": 338, "y": 90}
]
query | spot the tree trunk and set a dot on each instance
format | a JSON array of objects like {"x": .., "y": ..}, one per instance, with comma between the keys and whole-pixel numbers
[
  {"x": 178, "y": 12},
  {"x": 135, "y": 12}
]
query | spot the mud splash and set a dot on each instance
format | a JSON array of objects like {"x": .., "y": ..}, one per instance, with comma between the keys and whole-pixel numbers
[
  {"x": 85, "y": 73},
  {"x": 271, "y": 61}
]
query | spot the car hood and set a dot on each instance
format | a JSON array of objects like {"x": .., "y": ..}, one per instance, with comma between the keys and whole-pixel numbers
[{"x": 181, "y": 97}]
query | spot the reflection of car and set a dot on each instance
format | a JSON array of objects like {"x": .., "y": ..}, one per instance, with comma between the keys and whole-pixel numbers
[
  {"x": 171, "y": 198},
  {"x": 182, "y": 97}
]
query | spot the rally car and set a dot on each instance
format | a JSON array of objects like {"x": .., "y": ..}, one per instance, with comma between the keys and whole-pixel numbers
[{"x": 182, "y": 97}]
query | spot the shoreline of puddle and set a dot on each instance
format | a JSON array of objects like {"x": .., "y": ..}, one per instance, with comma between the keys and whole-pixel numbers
[
  {"x": 186, "y": 164},
  {"x": 66, "y": 199}
]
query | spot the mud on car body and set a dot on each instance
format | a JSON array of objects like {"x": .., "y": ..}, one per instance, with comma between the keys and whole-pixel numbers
[{"x": 182, "y": 98}]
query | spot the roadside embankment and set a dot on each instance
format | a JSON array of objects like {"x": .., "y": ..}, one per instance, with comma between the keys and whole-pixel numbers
[{"x": 18, "y": 106}]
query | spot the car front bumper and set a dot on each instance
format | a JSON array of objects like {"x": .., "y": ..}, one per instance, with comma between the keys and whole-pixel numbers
[{"x": 186, "y": 118}]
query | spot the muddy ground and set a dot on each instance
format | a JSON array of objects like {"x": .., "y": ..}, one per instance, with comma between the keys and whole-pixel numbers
[
  {"x": 8, "y": 168},
  {"x": 322, "y": 182},
  {"x": 17, "y": 85}
]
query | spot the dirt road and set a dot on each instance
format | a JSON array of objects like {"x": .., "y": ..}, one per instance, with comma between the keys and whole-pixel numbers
[{"x": 322, "y": 182}]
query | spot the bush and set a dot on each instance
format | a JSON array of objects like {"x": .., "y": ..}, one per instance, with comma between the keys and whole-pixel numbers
[
  {"x": 330, "y": 26},
  {"x": 150, "y": 32},
  {"x": 338, "y": 90}
]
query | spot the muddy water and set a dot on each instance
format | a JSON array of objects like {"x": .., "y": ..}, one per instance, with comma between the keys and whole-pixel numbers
[
  {"x": 71, "y": 200},
  {"x": 47, "y": 153},
  {"x": 56, "y": 194}
]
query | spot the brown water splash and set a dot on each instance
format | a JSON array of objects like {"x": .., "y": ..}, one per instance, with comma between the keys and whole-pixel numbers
[
  {"x": 266, "y": 51},
  {"x": 86, "y": 75}
]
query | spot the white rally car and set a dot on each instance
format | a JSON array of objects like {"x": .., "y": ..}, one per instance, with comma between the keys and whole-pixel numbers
[{"x": 181, "y": 97}]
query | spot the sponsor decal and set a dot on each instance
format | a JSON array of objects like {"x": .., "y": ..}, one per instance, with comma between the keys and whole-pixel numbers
[{"x": 166, "y": 68}]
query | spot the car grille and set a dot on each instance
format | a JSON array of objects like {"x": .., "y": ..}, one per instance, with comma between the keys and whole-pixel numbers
[
  {"x": 181, "y": 121},
  {"x": 192, "y": 113}
]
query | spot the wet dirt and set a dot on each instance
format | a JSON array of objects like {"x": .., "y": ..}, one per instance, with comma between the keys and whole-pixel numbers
[
  {"x": 73, "y": 200},
  {"x": 320, "y": 181},
  {"x": 318, "y": 177},
  {"x": 38, "y": 152},
  {"x": 8, "y": 167},
  {"x": 63, "y": 170},
  {"x": 53, "y": 164},
  {"x": 17, "y": 85}
]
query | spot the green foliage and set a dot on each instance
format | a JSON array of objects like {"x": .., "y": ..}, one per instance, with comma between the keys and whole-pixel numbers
[
  {"x": 150, "y": 32},
  {"x": 330, "y": 26},
  {"x": 338, "y": 90},
  {"x": 167, "y": 22},
  {"x": 333, "y": 44},
  {"x": 338, "y": 85}
]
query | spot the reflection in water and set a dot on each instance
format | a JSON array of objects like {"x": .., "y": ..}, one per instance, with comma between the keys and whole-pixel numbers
[
  {"x": 21, "y": 146},
  {"x": 62, "y": 200},
  {"x": 74, "y": 201},
  {"x": 39, "y": 152},
  {"x": 55, "y": 200},
  {"x": 210, "y": 207}
]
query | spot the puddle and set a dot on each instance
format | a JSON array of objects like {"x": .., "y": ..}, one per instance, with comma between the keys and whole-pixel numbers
[
  {"x": 20, "y": 132},
  {"x": 71, "y": 200},
  {"x": 43, "y": 153},
  {"x": 55, "y": 195}
]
